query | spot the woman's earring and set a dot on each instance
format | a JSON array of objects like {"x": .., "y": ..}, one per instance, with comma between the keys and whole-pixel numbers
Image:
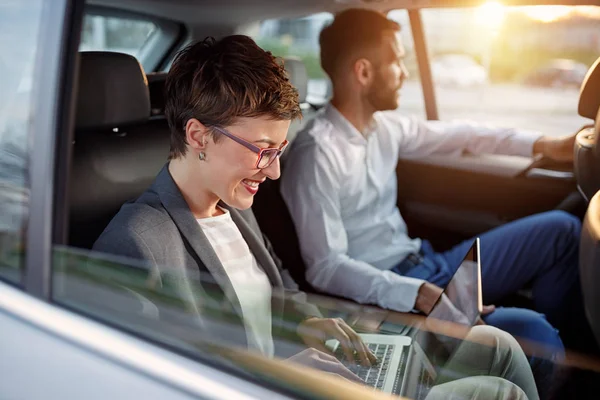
[{"x": 202, "y": 156}]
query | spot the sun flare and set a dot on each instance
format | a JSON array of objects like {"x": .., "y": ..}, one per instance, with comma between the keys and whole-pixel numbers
[
  {"x": 547, "y": 13},
  {"x": 491, "y": 14}
]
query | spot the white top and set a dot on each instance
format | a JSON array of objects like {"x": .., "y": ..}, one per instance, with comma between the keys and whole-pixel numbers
[
  {"x": 341, "y": 190},
  {"x": 250, "y": 283}
]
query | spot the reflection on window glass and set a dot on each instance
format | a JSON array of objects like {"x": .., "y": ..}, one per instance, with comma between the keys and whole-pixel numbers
[
  {"x": 20, "y": 21},
  {"x": 190, "y": 313},
  {"x": 512, "y": 66},
  {"x": 115, "y": 34}
]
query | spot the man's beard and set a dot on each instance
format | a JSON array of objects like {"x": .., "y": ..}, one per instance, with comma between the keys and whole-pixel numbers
[{"x": 382, "y": 97}]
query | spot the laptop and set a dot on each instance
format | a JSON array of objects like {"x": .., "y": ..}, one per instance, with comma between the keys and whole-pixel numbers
[{"x": 405, "y": 366}]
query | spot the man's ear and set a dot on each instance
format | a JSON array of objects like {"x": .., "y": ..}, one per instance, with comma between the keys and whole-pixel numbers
[
  {"x": 363, "y": 71},
  {"x": 196, "y": 135}
]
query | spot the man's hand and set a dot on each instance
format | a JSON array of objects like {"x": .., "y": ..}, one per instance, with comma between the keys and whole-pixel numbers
[
  {"x": 556, "y": 148},
  {"x": 314, "y": 358},
  {"x": 427, "y": 296},
  {"x": 485, "y": 311},
  {"x": 314, "y": 331}
]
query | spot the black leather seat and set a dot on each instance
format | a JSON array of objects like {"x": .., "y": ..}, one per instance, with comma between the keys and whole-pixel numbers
[
  {"x": 118, "y": 148},
  {"x": 589, "y": 264},
  {"x": 587, "y": 148},
  {"x": 156, "y": 86},
  {"x": 271, "y": 212},
  {"x": 587, "y": 171}
]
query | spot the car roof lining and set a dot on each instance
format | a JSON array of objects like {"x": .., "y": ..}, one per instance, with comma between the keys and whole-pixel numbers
[{"x": 241, "y": 12}]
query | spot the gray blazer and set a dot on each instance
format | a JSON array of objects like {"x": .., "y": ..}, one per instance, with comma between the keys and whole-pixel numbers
[{"x": 159, "y": 229}]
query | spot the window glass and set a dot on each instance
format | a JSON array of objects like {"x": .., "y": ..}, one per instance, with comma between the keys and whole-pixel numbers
[
  {"x": 20, "y": 21},
  {"x": 190, "y": 314},
  {"x": 512, "y": 66},
  {"x": 184, "y": 308},
  {"x": 117, "y": 34}
]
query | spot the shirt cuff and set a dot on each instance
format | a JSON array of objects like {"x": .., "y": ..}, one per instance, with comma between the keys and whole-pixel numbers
[
  {"x": 404, "y": 295},
  {"x": 521, "y": 143}
]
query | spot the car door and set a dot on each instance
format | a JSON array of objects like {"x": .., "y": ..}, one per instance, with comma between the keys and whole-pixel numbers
[{"x": 446, "y": 200}]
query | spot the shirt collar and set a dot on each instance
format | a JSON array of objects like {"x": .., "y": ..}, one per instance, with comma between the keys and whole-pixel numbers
[{"x": 343, "y": 125}]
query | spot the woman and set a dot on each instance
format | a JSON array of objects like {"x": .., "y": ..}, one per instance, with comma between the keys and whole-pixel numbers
[{"x": 229, "y": 105}]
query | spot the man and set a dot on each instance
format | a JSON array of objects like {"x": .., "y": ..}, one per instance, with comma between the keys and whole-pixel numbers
[{"x": 340, "y": 187}]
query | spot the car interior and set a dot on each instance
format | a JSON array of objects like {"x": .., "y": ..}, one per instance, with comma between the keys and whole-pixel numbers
[{"x": 121, "y": 141}]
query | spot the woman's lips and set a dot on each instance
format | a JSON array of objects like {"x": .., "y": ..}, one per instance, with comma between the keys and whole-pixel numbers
[{"x": 251, "y": 186}]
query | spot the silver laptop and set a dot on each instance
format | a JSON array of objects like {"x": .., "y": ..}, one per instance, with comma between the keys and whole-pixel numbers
[{"x": 405, "y": 366}]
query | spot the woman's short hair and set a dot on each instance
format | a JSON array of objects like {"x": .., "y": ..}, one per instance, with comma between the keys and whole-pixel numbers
[{"x": 218, "y": 81}]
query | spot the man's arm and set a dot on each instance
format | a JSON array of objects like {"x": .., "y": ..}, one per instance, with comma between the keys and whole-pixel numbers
[
  {"x": 310, "y": 190},
  {"x": 418, "y": 138}
]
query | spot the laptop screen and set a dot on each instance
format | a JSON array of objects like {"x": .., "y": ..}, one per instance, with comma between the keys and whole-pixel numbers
[
  {"x": 461, "y": 303},
  {"x": 461, "y": 300}
]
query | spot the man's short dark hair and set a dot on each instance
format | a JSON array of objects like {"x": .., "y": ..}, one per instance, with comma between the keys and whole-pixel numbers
[
  {"x": 218, "y": 81},
  {"x": 352, "y": 30}
]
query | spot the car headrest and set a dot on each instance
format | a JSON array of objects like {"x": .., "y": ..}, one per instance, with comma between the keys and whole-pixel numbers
[
  {"x": 589, "y": 98},
  {"x": 156, "y": 85},
  {"x": 112, "y": 92},
  {"x": 298, "y": 76}
]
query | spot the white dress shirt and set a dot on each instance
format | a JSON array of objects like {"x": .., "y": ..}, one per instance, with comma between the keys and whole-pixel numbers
[
  {"x": 250, "y": 283},
  {"x": 340, "y": 187}
]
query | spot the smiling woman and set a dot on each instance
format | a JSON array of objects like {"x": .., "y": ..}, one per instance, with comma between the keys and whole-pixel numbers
[
  {"x": 201, "y": 113},
  {"x": 196, "y": 217}
]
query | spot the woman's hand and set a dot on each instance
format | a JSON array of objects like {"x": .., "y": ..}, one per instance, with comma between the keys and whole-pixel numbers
[
  {"x": 314, "y": 331},
  {"x": 314, "y": 358}
]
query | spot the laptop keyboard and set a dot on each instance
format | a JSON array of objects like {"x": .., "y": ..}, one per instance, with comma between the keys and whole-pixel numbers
[{"x": 374, "y": 376}]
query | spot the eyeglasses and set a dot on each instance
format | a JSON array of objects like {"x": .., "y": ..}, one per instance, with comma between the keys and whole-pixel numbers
[{"x": 266, "y": 157}]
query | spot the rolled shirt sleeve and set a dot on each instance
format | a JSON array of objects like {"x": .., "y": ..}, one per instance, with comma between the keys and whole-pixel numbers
[{"x": 418, "y": 138}]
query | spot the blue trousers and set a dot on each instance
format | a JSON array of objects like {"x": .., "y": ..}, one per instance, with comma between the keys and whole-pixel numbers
[{"x": 541, "y": 251}]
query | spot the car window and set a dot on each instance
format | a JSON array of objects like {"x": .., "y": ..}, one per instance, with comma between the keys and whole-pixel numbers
[
  {"x": 20, "y": 21},
  {"x": 185, "y": 311},
  {"x": 522, "y": 69},
  {"x": 101, "y": 33}
]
